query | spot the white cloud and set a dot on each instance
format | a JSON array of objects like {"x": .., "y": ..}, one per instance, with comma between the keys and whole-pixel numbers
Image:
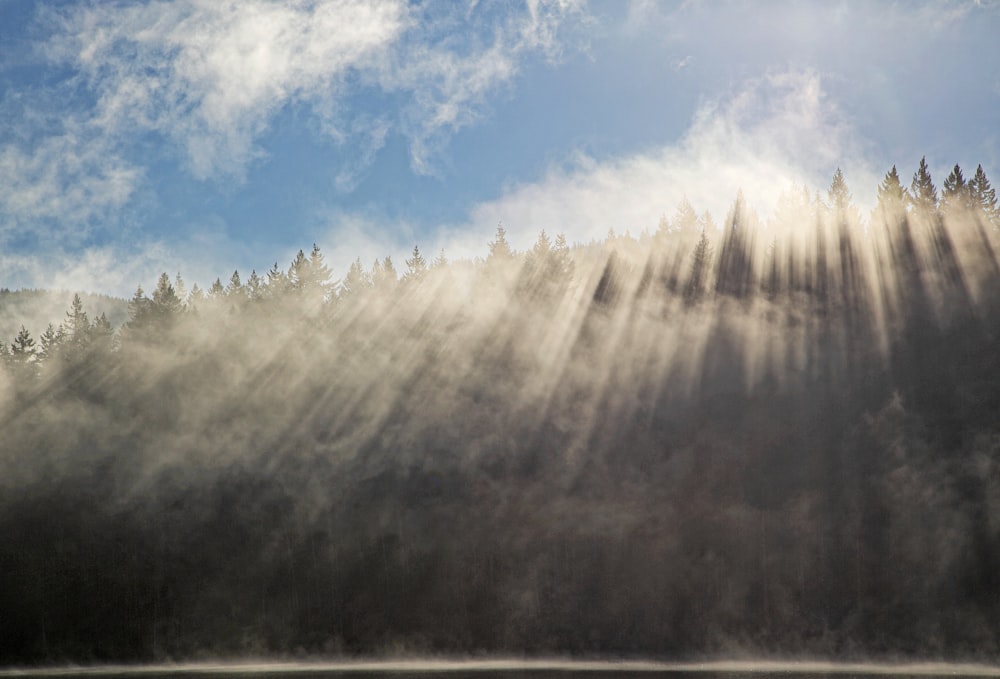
[
  {"x": 104, "y": 269},
  {"x": 211, "y": 75},
  {"x": 682, "y": 63},
  {"x": 71, "y": 177},
  {"x": 768, "y": 134}
]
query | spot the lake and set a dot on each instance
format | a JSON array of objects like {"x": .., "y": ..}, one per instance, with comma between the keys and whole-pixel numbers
[{"x": 512, "y": 669}]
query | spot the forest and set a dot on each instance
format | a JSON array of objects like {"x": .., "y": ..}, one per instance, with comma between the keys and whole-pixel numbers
[{"x": 765, "y": 437}]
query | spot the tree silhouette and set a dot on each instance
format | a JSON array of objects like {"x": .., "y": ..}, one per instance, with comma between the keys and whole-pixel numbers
[
  {"x": 956, "y": 192},
  {"x": 923, "y": 193},
  {"x": 984, "y": 196},
  {"x": 838, "y": 194},
  {"x": 694, "y": 288},
  {"x": 416, "y": 265},
  {"x": 499, "y": 248}
]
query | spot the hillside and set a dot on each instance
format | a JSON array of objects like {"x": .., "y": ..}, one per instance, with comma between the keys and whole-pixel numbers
[
  {"x": 775, "y": 437},
  {"x": 36, "y": 309}
]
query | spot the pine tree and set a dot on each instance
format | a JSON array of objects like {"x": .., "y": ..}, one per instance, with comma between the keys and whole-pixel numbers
[
  {"x": 356, "y": 280},
  {"x": 310, "y": 277},
  {"x": 663, "y": 230},
  {"x": 196, "y": 296},
  {"x": 416, "y": 266},
  {"x": 165, "y": 302},
  {"x": 76, "y": 327},
  {"x": 735, "y": 266},
  {"x": 923, "y": 193},
  {"x": 561, "y": 256},
  {"x": 317, "y": 286},
  {"x": 892, "y": 197},
  {"x": 543, "y": 246},
  {"x": 955, "y": 191},
  {"x": 48, "y": 343},
  {"x": 499, "y": 248},
  {"x": 384, "y": 274},
  {"x": 440, "y": 261},
  {"x": 984, "y": 196},
  {"x": 254, "y": 286},
  {"x": 297, "y": 273},
  {"x": 686, "y": 219},
  {"x": 216, "y": 290},
  {"x": 277, "y": 282},
  {"x": 235, "y": 290},
  {"x": 23, "y": 347},
  {"x": 891, "y": 192},
  {"x": 180, "y": 288},
  {"x": 695, "y": 286},
  {"x": 102, "y": 335},
  {"x": 152, "y": 317},
  {"x": 838, "y": 195}
]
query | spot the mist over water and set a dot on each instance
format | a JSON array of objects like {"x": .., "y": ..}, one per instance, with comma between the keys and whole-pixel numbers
[
  {"x": 518, "y": 669},
  {"x": 774, "y": 437}
]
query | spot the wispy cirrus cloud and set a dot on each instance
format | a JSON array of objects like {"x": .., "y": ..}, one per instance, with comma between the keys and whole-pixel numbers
[
  {"x": 199, "y": 84},
  {"x": 211, "y": 76},
  {"x": 69, "y": 179}
]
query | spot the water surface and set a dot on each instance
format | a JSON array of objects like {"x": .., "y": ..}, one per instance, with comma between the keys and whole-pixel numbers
[{"x": 513, "y": 669}]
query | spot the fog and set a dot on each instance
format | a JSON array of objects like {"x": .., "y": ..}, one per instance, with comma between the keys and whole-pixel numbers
[
  {"x": 501, "y": 666},
  {"x": 768, "y": 437}
]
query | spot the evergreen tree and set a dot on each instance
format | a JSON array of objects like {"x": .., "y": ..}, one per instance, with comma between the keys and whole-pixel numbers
[
  {"x": 561, "y": 256},
  {"x": 152, "y": 318},
  {"x": 318, "y": 270},
  {"x": 23, "y": 347},
  {"x": 277, "y": 282},
  {"x": 891, "y": 192},
  {"x": 542, "y": 247},
  {"x": 309, "y": 277},
  {"x": 663, "y": 229},
  {"x": 384, "y": 274},
  {"x": 196, "y": 296},
  {"x": 923, "y": 193},
  {"x": 893, "y": 199},
  {"x": 138, "y": 308},
  {"x": 254, "y": 286},
  {"x": 76, "y": 328},
  {"x": 838, "y": 195},
  {"x": 356, "y": 280},
  {"x": 700, "y": 262},
  {"x": 955, "y": 191},
  {"x": 499, "y": 249},
  {"x": 984, "y": 196},
  {"x": 686, "y": 220},
  {"x": 297, "y": 271},
  {"x": 440, "y": 261},
  {"x": 48, "y": 343},
  {"x": 102, "y": 335},
  {"x": 235, "y": 290},
  {"x": 165, "y": 302},
  {"x": 543, "y": 271},
  {"x": 179, "y": 287},
  {"x": 416, "y": 266},
  {"x": 217, "y": 291},
  {"x": 735, "y": 267}
]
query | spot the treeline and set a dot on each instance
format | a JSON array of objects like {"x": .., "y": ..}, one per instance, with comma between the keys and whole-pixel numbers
[{"x": 775, "y": 436}]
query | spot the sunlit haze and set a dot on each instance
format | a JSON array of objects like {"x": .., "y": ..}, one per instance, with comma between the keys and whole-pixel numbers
[
  {"x": 203, "y": 137},
  {"x": 649, "y": 337}
]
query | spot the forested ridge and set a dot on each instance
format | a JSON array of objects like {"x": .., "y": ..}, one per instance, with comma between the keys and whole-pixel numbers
[{"x": 777, "y": 436}]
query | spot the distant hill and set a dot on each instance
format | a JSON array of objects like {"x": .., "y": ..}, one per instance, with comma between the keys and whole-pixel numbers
[{"x": 35, "y": 309}]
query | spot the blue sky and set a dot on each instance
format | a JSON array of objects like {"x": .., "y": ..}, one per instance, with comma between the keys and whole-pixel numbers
[{"x": 203, "y": 135}]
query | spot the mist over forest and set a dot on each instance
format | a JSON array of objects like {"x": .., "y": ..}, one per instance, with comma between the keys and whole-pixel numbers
[{"x": 766, "y": 436}]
